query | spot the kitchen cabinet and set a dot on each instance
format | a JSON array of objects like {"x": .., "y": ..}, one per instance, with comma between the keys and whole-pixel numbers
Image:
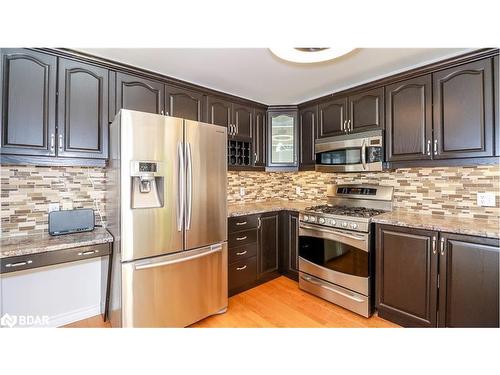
[
  {"x": 409, "y": 119},
  {"x": 307, "y": 135},
  {"x": 428, "y": 279},
  {"x": 366, "y": 111},
  {"x": 268, "y": 251},
  {"x": 82, "y": 122},
  {"x": 185, "y": 103},
  {"x": 469, "y": 281},
  {"x": 139, "y": 94},
  {"x": 463, "y": 111},
  {"x": 290, "y": 244},
  {"x": 282, "y": 137},
  {"x": 406, "y": 275},
  {"x": 332, "y": 117},
  {"x": 238, "y": 118},
  {"x": 219, "y": 111},
  {"x": 496, "y": 80},
  {"x": 28, "y": 102},
  {"x": 259, "y": 138},
  {"x": 242, "y": 120}
]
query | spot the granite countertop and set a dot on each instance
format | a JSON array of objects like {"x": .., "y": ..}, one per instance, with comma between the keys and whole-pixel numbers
[
  {"x": 441, "y": 223},
  {"x": 33, "y": 244},
  {"x": 249, "y": 208}
]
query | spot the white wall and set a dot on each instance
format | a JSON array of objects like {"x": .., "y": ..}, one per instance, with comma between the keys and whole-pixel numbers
[{"x": 66, "y": 292}]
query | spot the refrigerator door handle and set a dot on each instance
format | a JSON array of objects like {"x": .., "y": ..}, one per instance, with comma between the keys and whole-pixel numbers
[
  {"x": 213, "y": 249},
  {"x": 189, "y": 180},
  {"x": 180, "y": 187}
]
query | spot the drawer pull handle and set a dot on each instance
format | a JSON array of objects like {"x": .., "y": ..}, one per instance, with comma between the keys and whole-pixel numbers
[
  {"x": 88, "y": 252},
  {"x": 241, "y": 268},
  {"x": 241, "y": 223},
  {"x": 19, "y": 264},
  {"x": 242, "y": 253},
  {"x": 241, "y": 238}
]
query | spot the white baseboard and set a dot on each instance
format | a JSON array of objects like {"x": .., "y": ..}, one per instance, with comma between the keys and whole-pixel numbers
[{"x": 74, "y": 316}]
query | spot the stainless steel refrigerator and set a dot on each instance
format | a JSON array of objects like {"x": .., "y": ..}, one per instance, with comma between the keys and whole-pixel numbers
[{"x": 166, "y": 208}]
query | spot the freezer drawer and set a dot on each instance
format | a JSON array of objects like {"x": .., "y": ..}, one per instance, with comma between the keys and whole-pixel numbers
[{"x": 175, "y": 290}]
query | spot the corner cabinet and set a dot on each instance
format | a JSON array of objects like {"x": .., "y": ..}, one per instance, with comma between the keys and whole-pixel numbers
[
  {"x": 290, "y": 244},
  {"x": 268, "y": 239},
  {"x": 434, "y": 279},
  {"x": 282, "y": 138},
  {"x": 28, "y": 102},
  {"x": 259, "y": 138}
]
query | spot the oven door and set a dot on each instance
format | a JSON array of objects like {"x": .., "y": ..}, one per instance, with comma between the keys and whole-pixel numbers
[{"x": 338, "y": 256}]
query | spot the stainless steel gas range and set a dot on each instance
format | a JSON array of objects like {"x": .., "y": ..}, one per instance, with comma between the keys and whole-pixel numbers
[{"x": 336, "y": 245}]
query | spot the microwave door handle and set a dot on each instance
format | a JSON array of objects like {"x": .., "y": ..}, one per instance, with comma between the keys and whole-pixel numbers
[{"x": 363, "y": 154}]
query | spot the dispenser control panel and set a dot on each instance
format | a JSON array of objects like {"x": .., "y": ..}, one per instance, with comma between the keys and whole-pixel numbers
[{"x": 147, "y": 167}]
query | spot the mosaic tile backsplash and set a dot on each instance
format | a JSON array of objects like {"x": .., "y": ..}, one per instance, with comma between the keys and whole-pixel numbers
[
  {"x": 26, "y": 192},
  {"x": 442, "y": 191}
]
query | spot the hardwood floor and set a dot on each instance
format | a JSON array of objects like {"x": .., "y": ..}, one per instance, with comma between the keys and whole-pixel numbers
[{"x": 277, "y": 303}]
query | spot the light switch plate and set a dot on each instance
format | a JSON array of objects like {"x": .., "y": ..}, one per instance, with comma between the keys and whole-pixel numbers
[
  {"x": 53, "y": 207},
  {"x": 486, "y": 199},
  {"x": 242, "y": 191}
]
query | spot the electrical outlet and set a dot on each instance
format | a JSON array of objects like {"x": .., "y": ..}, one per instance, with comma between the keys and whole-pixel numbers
[
  {"x": 242, "y": 191},
  {"x": 298, "y": 190},
  {"x": 53, "y": 207},
  {"x": 486, "y": 199}
]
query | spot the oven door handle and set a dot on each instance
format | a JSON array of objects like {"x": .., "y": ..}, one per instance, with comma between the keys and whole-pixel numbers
[
  {"x": 321, "y": 285},
  {"x": 363, "y": 154},
  {"x": 333, "y": 231}
]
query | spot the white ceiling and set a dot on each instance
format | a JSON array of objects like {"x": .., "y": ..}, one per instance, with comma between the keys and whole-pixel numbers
[{"x": 255, "y": 73}]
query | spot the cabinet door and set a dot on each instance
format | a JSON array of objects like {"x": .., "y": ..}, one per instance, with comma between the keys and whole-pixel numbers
[
  {"x": 332, "y": 117},
  {"x": 366, "y": 110},
  {"x": 290, "y": 238},
  {"x": 469, "y": 277},
  {"x": 268, "y": 243},
  {"x": 409, "y": 119},
  {"x": 28, "y": 102},
  {"x": 282, "y": 139},
  {"x": 496, "y": 79},
  {"x": 259, "y": 138},
  {"x": 219, "y": 111},
  {"x": 243, "y": 119},
  {"x": 139, "y": 94},
  {"x": 463, "y": 111},
  {"x": 307, "y": 135},
  {"x": 406, "y": 275},
  {"x": 82, "y": 121},
  {"x": 184, "y": 103}
]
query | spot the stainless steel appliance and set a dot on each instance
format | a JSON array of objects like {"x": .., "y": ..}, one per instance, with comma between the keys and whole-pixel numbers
[
  {"x": 336, "y": 245},
  {"x": 167, "y": 212},
  {"x": 350, "y": 152}
]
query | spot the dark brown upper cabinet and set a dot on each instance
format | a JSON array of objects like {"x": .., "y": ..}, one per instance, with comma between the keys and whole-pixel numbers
[
  {"x": 139, "y": 94},
  {"x": 268, "y": 240},
  {"x": 307, "y": 135},
  {"x": 332, "y": 117},
  {"x": 496, "y": 73},
  {"x": 463, "y": 111},
  {"x": 469, "y": 281},
  {"x": 184, "y": 103},
  {"x": 282, "y": 136},
  {"x": 366, "y": 111},
  {"x": 409, "y": 119},
  {"x": 218, "y": 111},
  {"x": 406, "y": 275},
  {"x": 259, "y": 138},
  {"x": 28, "y": 102},
  {"x": 82, "y": 110},
  {"x": 242, "y": 118}
]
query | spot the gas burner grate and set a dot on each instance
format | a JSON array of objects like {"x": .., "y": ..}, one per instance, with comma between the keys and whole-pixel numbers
[{"x": 345, "y": 210}]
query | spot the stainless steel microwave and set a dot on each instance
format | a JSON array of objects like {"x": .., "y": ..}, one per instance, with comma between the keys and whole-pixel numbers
[{"x": 350, "y": 153}]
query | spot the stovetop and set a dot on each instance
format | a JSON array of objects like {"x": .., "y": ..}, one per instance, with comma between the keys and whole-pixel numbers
[{"x": 344, "y": 210}]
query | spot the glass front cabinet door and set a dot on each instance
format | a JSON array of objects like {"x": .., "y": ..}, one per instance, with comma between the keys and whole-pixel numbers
[{"x": 282, "y": 136}]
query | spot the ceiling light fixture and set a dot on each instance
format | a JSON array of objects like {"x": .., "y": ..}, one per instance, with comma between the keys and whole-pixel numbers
[{"x": 309, "y": 55}]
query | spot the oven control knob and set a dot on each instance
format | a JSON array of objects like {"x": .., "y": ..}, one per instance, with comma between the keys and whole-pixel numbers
[
  {"x": 333, "y": 222},
  {"x": 321, "y": 220},
  {"x": 353, "y": 225},
  {"x": 305, "y": 217},
  {"x": 312, "y": 219},
  {"x": 344, "y": 224}
]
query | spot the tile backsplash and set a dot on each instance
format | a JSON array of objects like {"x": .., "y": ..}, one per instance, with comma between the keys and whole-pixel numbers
[
  {"x": 442, "y": 191},
  {"x": 26, "y": 192}
]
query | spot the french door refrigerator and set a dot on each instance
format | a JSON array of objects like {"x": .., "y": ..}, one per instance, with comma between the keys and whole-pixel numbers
[{"x": 166, "y": 205}]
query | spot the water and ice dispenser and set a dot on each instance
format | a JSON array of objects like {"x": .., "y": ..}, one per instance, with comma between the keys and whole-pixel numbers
[{"x": 147, "y": 184}]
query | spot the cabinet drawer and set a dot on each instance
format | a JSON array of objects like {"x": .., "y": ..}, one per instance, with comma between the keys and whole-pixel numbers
[
  {"x": 242, "y": 238},
  {"x": 242, "y": 273},
  {"x": 242, "y": 223},
  {"x": 238, "y": 253},
  {"x": 24, "y": 262}
]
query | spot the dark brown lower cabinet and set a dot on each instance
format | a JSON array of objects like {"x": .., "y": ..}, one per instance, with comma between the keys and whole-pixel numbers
[
  {"x": 268, "y": 253},
  {"x": 432, "y": 279},
  {"x": 290, "y": 244}
]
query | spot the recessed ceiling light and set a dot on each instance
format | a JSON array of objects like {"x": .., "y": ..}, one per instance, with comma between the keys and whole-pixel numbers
[{"x": 309, "y": 55}]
